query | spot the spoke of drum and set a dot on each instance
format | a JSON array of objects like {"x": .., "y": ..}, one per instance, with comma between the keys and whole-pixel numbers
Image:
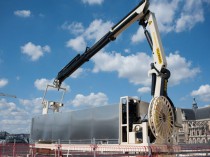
[{"x": 161, "y": 118}]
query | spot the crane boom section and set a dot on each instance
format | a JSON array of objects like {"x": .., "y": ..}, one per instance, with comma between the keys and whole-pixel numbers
[
  {"x": 158, "y": 51},
  {"x": 137, "y": 13},
  {"x": 160, "y": 103}
]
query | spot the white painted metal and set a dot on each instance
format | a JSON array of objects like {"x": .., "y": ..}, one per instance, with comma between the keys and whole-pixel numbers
[
  {"x": 52, "y": 104},
  {"x": 161, "y": 118},
  {"x": 158, "y": 51},
  {"x": 131, "y": 135},
  {"x": 139, "y": 11}
]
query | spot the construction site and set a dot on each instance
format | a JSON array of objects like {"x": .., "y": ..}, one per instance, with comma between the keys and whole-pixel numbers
[{"x": 131, "y": 128}]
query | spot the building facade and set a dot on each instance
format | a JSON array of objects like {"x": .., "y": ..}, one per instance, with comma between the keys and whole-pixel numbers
[{"x": 196, "y": 125}]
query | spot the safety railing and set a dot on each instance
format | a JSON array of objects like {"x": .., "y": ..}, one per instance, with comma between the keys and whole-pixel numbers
[
  {"x": 14, "y": 150},
  {"x": 98, "y": 150},
  {"x": 83, "y": 141}
]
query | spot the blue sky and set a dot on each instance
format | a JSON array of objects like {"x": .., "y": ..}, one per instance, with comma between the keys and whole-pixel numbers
[{"x": 38, "y": 38}]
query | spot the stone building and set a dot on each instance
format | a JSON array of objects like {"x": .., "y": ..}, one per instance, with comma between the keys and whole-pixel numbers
[
  {"x": 196, "y": 125},
  {"x": 3, "y": 134}
]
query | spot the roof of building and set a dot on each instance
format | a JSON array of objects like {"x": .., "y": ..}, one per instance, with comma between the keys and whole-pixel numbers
[
  {"x": 203, "y": 113},
  {"x": 189, "y": 114},
  {"x": 197, "y": 114}
]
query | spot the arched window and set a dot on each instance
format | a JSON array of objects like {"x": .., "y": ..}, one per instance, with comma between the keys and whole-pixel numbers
[
  {"x": 194, "y": 140},
  {"x": 197, "y": 132}
]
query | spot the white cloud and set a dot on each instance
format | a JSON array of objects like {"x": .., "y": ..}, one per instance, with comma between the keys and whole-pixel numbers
[
  {"x": 127, "y": 50},
  {"x": 42, "y": 83},
  {"x": 77, "y": 73},
  {"x": 22, "y": 13},
  {"x": 92, "y": 99},
  {"x": 92, "y": 2},
  {"x": 3, "y": 82},
  {"x": 14, "y": 118},
  {"x": 34, "y": 51},
  {"x": 46, "y": 48},
  {"x": 7, "y": 106},
  {"x": 174, "y": 16},
  {"x": 15, "y": 122},
  {"x": 192, "y": 14},
  {"x": 180, "y": 68},
  {"x": 144, "y": 90},
  {"x": 41, "y": 15},
  {"x": 34, "y": 106},
  {"x": 135, "y": 67},
  {"x": 139, "y": 36},
  {"x": 96, "y": 30},
  {"x": 74, "y": 27},
  {"x": 203, "y": 93},
  {"x": 18, "y": 78},
  {"x": 165, "y": 12},
  {"x": 78, "y": 44}
]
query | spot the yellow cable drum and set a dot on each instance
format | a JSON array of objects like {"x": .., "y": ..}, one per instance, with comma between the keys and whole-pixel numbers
[{"x": 161, "y": 118}]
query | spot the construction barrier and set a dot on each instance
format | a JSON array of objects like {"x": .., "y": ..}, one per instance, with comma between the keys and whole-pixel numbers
[
  {"x": 14, "y": 150},
  {"x": 101, "y": 150}
]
